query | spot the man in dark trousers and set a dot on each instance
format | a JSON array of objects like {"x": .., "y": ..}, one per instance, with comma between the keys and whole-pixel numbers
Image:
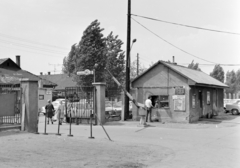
[{"x": 148, "y": 104}]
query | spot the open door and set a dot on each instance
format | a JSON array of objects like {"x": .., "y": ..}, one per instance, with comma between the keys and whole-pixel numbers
[{"x": 200, "y": 96}]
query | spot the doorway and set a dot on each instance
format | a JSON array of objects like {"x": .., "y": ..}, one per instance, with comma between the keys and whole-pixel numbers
[{"x": 200, "y": 96}]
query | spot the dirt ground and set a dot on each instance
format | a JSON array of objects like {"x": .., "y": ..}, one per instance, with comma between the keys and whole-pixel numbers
[{"x": 205, "y": 144}]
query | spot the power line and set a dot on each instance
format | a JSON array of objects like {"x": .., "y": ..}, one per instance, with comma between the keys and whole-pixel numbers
[
  {"x": 32, "y": 42},
  {"x": 35, "y": 52},
  {"x": 172, "y": 44},
  {"x": 30, "y": 47},
  {"x": 195, "y": 27}
]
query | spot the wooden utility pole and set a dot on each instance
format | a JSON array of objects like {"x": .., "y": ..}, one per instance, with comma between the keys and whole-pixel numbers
[
  {"x": 126, "y": 103},
  {"x": 137, "y": 64}
]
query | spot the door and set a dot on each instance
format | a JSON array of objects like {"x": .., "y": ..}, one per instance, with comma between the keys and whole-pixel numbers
[{"x": 200, "y": 97}]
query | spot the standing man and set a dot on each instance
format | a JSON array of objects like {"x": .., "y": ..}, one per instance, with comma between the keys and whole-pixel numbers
[{"x": 148, "y": 104}]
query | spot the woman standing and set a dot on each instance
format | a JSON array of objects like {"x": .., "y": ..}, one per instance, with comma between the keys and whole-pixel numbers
[{"x": 49, "y": 111}]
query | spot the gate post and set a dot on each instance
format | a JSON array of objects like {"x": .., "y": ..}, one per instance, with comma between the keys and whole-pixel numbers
[
  {"x": 100, "y": 102},
  {"x": 30, "y": 99}
]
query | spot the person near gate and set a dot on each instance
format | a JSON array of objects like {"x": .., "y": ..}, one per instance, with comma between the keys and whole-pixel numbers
[
  {"x": 148, "y": 104},
  {"x": 60, "y": 113},
  {"x": 49, "y": 111}
]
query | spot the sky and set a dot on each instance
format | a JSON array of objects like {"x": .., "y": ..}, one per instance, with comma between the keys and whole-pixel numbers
[{"x": 43, "y": 31}]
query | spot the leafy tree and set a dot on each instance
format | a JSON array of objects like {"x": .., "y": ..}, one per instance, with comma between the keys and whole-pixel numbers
[
  {"x": 115, "y": 62},
  {"x": 133, "y": 69},
  {"x": 218, "y": 73},
  {"x": 231, "y": 81},
  {"x": 194, "y": 66},
  {"x": 68, "y": 62},
  {"x": 95, "y": 49}
]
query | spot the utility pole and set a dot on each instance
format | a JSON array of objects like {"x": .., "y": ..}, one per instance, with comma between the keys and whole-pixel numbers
[
  {"x": 126, "y": 103},
  {"x": 137, "y": 64}
]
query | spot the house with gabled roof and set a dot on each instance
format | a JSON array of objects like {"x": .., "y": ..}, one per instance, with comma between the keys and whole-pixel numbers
[
  {"x": 179, "y": 94},
  {"x": 11, "y": 75},
  {"x": 62, "y": 81}
]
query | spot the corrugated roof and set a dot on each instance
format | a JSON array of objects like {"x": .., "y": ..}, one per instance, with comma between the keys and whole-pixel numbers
[
  {"x": 14, "y": 76},
  {"x": 10, "y": 76},
  {"x": 197, "y": 76},
  {"x": 62, "y": 80}
]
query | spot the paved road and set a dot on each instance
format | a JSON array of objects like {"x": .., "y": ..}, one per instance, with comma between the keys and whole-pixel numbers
[{"x": 205, "y": 144}]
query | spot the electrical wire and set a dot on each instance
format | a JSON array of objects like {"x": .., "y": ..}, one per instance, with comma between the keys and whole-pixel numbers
[
  {"x": 171, "y": 43},
  {"x": 35, "y": 52},
  {"x": 30, "y": 47},
  {"x": 195, "y": 27},
  {"x": 31, "y": 42}
]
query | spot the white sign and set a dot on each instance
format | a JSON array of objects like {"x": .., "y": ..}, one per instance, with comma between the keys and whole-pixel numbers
[
  {"x": 48, "y": 92},
  {"x": 86, "y": 72},
  {"x": 179, "y": 102}
]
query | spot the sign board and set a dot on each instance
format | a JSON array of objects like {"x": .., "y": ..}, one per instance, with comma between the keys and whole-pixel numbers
[
  {"x": 48, "y": 92},
  {"x": 179, "y": 91},
  {"x": 86, "y": 72},
  {"x": 179, "y": 102}
]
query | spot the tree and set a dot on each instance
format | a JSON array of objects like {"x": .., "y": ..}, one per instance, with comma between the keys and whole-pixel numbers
[
  {"x": 95, "y": 49},
  {"x": 194, "y": 66},
  {"x": 218, "y": 73},
  {"x": 133, "y": 69},
  {"x": 231, "y": 81},
  {"x": 68, "y": 62},
  {"x": 115, "y": 62}
]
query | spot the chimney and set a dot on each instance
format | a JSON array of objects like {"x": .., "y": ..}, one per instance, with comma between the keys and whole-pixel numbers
[
  {"x": 173, "y": 60},
  {"x": 18, "y": 60},
  {"x": 49, "y": 73},
  {"x": 41, "y": 73}
]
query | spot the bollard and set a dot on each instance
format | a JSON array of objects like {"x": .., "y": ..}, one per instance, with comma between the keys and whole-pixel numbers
[
  {"x": 45, "y": 127},
  {"x": 70, "y": 121},
  {"x": 58, "y": 124},
  {"x": 91, "y": 137}
]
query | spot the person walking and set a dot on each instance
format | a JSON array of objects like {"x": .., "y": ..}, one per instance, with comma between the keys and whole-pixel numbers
[
  {"x": 148, "y": 104},
  {"x": 61, "y": 112},
  {"x": 49, "y": 111}
]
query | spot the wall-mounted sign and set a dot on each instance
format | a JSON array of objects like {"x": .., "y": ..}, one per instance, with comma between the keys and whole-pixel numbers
[
  {"x": 48, "y": 92},
  {"x": 193, "y": 101},
  {"x": 208, "y": 97},
  {"x": 179, "y": 91},
  {"x": 179, "y": 102}
]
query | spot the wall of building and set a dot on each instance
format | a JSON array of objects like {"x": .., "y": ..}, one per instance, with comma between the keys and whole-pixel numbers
[
  {"x": 212, "y": 102},
  {"x": 43, "y": 96},
  {"x": 162, "y": 81}
]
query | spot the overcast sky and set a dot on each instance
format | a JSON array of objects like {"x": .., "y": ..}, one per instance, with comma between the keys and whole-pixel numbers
[{"x": 43, "y": 31}]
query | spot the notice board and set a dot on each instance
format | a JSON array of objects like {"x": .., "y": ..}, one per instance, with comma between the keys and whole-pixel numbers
[{"x": 179, "y": 103}]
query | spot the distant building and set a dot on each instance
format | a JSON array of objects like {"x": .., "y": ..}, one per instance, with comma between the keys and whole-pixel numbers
[
  {"x": 179, "y": 93},
  {"x": 11, "y": 75},
  {"x": 62, "y": 81}
]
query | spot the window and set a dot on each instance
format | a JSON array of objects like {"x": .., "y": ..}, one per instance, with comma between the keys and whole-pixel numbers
[
  {"x": 41, "y": 97},
  {"x": 163, "y": 101},
  {"x": 160, "y": 101}
]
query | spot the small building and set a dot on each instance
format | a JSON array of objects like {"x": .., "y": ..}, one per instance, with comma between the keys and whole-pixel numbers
[
  {"x": 179, "y": 94},
  {"x": 62, "y": 81},
  {"x": 11, "y": 74}
]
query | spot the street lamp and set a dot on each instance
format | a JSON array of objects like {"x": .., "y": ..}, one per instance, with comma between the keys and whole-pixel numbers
[{"x": 129, "y": 61}]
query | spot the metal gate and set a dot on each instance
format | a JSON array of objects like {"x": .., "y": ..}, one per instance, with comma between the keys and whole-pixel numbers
[
  {"x": 79, "y": 104},
  {"x": 10, "y": 98}
]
